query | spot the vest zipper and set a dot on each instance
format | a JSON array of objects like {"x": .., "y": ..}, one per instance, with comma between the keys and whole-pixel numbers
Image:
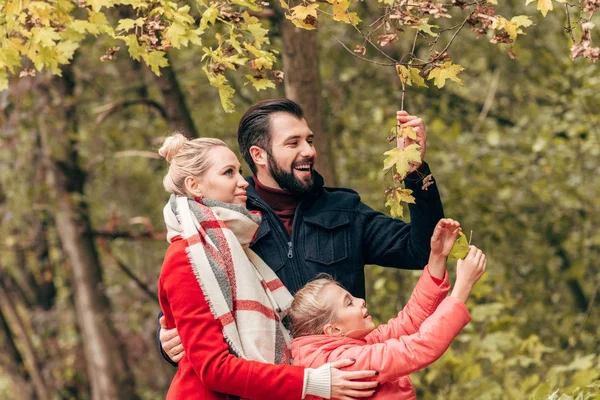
[{"x": 290, "y": 250}]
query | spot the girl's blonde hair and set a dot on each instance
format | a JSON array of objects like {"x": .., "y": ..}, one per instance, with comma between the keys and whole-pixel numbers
[
  {"x": 186, "y": 158},
  {"x": 308, "y": 314}
]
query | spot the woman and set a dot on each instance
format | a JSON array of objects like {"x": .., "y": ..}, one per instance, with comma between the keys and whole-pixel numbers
[{"x": 226, "y": 303}]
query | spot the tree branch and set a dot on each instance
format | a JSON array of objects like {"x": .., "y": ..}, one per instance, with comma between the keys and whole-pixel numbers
[
  {"x": 144, "y": 287},
  {"x": 109, "y": 109}
]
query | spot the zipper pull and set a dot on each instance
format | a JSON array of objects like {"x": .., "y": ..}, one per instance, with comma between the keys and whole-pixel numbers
[{"x": 290, "y": 250}]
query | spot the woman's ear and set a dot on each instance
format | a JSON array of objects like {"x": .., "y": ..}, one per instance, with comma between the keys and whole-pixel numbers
[
  {"x": 192, "y": 186},
  {"x": 332, "y": 330},
  {"x": 259, "y": 156}
]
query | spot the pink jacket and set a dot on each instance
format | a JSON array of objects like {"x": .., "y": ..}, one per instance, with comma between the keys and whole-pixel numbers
[{"x": 418, "y": 336}]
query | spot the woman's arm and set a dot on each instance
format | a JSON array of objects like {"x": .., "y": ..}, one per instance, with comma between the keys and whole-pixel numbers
[{"x": 185, "y": 306}]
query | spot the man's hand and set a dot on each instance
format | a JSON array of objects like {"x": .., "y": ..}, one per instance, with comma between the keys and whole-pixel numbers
[
  {"x": 170, "y": 341},
  {"x": 444, "y": 235},
  {"x": 406, "y": 120}
]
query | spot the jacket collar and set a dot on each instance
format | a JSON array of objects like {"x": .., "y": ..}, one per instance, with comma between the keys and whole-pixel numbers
[{"x": 307, "y": 349}]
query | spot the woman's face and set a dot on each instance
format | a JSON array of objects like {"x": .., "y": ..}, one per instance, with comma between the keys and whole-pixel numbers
[
  {"x": 223, "y": 180},
  {"x": 351, "y": 317}
]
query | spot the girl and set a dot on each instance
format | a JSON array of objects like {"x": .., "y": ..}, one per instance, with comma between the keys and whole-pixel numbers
[
  {"x": 328, "y": 324},
  {"x": 226, "y": 303}
]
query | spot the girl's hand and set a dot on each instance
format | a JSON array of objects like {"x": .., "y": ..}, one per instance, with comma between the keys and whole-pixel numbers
[
  {"x": 346, "y": 385},
  {"x": 468, "y": 272},
  {"x": 444, "y": 235}
]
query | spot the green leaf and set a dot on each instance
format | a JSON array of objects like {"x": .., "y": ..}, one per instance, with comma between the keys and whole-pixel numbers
[
  {"x": 125, "y": 24},
  {"x": 416, "y": 78},
  {"x": 156, "y": 60},
  {"x": 425, "y": 27},
  {"x": 446, "y": 71},
  {"x": 460, "y": 248},
  {"x": 401, "y": 159},
  {"x": 209, "y": 16},
  {"x": 135, "y": 50}
]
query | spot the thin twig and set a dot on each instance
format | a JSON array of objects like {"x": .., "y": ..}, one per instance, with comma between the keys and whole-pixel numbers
[
  {"x": 364, "y": 58},
  {"x": 147, "y": 291},
  {"x": 569, "y": 28}
]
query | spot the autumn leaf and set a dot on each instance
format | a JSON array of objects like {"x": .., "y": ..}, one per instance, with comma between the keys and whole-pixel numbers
[
  {"x": 446, "y": 71},
  {"x": 156, "y": 60},
  {"x": 260, "y": 83},
  {"x": 460, "y": 248},
  {"x": 386, "y": 38},
  {"x": 401, "y": 159},
  {"x": 425, "y": 27},
  {"x": 415, "y": 77},
  {"x": 408, "y": 132},
  {"x": 544, "y": 6},
  {"x": 340, "y": 12},
  {"x": 394, "y": 201},
  {"x": 301, "y": 12}
]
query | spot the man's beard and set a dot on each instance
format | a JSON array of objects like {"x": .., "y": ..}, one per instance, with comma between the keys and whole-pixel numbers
[{"x": 287, "y": 180}]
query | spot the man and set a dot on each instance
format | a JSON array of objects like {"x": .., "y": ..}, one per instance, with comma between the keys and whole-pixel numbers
[{"x": 308, "y": 228}]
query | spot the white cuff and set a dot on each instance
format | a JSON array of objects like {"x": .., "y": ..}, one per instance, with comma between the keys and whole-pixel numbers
[{"x": 317, "y": 382}]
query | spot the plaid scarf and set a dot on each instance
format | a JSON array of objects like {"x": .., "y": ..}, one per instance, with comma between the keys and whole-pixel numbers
[{"x": 241, "y": 290}]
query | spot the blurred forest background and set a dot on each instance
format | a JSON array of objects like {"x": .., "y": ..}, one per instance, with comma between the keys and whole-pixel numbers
[{"x": 515, "y": 150}]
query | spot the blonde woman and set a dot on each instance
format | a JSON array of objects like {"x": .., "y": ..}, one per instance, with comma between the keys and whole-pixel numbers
[{"x": 226, "y": 303}]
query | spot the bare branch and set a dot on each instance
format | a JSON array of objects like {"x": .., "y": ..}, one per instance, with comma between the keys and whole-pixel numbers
[{"x": 109, "y": 109}]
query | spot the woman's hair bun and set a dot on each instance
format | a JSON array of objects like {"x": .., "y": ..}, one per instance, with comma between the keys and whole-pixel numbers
[{"x": 171, "y": 146}]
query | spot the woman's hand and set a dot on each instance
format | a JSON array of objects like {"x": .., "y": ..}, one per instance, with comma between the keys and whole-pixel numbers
[
  {"x": 346, "y": 385},
  {"x": 170, "y": 342},
  {"x": 468, "y": 272}
]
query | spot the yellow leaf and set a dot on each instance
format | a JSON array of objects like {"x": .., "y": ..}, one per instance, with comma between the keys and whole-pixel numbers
[
  {"x": 394, "y": 201},
  {"x": 402, "y": 72},
  {"x": 401, "y": 159},
  {"x": 460, "y": 248},
  {"x": 522, "y": 20},
  {"x": 260, "y": 83},
  {"x": 98, "y": 4},
  {"x": 284, "y": 5},
  {"x": 446, "y": 71},
  {"x": 408, "y": 132},
  {"x": 66, "y": 49},
  {"x": 209, "y": 16},
  {"x": 544, "y": 6},
  {"x": 248, "y": 4},
  {"x": 301, "y": 12},
  {"x": 300, "y": 23},
  {"x": 258, "y": 33},
  {"x": 340, "y": 12},
  {"x": 226, "y": 93},
  {"x": 156, "y": 60},
  {"x": 416, "y": 78},
  {"x": 126, "y": 24}
]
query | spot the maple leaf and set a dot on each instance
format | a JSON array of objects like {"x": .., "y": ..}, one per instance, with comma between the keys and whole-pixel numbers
[
  {"x": 301, "y": 12},
  {"x": 156, "y": 60},
  {"x": 415, "y": 77},
  {"x": 544, "y": 6},
  {"x": 446, "y": 71},
  {"x": 260, "y": 83},
  {"x": 340, "y": 12},
  {"x": 401, "y": 159},
  {"x": 394, "y": 201},
  {"x": 460, "y": 248},
  {"x": 408, "y": 132},
  {"x": 425, "y": 27}
]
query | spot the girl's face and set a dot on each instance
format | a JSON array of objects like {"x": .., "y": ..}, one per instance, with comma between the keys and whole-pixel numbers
[
  {"x": 350, "y": 316},
  {"x": 223, "y": 180}
]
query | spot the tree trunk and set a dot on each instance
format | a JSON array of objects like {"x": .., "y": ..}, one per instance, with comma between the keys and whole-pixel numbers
[
  {"x": 31, "y": 360},
  {"x": 109, "y": 376},
  {"x": 302, "y": 80},
  {"x": 179, "y": 117}
]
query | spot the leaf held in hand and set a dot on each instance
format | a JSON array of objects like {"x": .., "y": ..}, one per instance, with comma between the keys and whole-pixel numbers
[{"x": 460, "y": 248}]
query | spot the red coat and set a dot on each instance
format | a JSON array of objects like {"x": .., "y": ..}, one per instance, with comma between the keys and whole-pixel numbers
[
  {"x": 208, "y": 370},
  {"x": 419, "y": 335}
]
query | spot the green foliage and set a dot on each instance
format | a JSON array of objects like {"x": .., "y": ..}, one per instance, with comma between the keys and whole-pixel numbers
[{"x": 460, "y": 248}]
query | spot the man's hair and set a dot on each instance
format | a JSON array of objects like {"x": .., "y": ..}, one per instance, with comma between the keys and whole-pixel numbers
[{"x": 255, "y": 125}]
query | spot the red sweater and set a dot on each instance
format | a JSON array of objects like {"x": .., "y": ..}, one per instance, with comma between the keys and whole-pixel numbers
[{"x": 208, "y": 371}]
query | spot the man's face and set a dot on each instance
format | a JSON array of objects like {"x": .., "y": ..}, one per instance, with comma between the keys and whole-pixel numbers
[{"x": 292, "y": 155}]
